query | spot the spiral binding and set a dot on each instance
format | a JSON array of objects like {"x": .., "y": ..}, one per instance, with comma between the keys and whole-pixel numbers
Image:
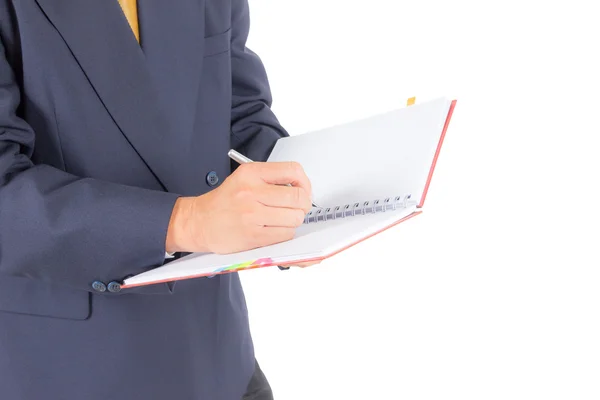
[{"x": 351, "y": 210}]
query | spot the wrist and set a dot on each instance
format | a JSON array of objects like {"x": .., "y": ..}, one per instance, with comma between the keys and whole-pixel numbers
[{"x": 176, "y": 235}]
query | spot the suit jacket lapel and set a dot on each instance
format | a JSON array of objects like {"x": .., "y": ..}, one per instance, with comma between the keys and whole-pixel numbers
[
  {"x": 172, "y": 38},
  {"x": 101, "y": 40}
]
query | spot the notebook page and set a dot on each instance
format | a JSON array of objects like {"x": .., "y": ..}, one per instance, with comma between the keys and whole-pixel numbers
[
  {"x": 374, "y": 158},
  {"x": 315, "y": 240}
]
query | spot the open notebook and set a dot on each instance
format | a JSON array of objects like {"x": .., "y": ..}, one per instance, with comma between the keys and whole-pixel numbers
[{"x": 368, "y": 175}]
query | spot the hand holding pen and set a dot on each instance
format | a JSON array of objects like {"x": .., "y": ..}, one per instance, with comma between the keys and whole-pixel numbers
[
  {"x": 242, "y": 159},
  {"x": 251, "y": 208}
]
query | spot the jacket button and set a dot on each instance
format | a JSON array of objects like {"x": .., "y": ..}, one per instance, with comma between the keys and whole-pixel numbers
[
  {"x": 212, "y": 178},
  {"x": 99, "y": 286},
  {"x": 114, "y": 287}
]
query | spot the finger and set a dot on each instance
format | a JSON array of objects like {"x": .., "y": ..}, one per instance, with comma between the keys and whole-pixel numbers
[
  {"x": 272, "y": 235},
  {"x": 284, "y": 196},
  {"x": 280, "y": 217},
  {"x": 308, "y": 264},
  {"x": 301, "y": 265},
  {"x": 282, "y": 173}
]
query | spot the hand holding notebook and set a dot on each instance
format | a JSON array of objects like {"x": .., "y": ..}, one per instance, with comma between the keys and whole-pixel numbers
[{"x": 368, "y": 176}]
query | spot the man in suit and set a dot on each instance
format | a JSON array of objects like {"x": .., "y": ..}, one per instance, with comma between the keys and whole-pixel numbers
[{"x": 116, "y": 117}]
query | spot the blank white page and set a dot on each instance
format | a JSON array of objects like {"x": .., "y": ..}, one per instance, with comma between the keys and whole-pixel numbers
[{"x": 382, "y": 156}]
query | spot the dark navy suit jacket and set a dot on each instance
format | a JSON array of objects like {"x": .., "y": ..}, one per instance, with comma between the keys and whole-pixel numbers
[{"x": 99, "y": 135}]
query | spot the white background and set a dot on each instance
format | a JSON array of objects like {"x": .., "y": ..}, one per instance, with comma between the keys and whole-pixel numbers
[{"x": 494, "y": 291}]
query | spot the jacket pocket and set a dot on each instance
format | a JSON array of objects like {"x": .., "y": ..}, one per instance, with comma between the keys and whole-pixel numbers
[
  {"x": 217, "y": 44},
  {"x": 32, "y": 297}
]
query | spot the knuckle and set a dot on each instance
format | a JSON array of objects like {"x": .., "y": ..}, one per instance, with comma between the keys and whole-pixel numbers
[
  {"x": 299, "y": 219},
  {"x": 296, "y": 167},
  {"x": 302, "y": 200},
  {"x": 297, "y": 196},
  {"x": 243, "y": 193},
  {"x": 308, "y": 206}
]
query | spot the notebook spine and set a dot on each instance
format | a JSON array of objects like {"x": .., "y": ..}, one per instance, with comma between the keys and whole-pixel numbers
[{"x": 351, "y": 210}]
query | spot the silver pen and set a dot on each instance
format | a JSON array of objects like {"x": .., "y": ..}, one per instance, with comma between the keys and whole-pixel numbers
[{"x": 242, "y": 159}]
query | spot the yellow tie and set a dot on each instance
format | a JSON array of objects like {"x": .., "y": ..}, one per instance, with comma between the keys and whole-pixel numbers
[{"x": 130, "y": 9}]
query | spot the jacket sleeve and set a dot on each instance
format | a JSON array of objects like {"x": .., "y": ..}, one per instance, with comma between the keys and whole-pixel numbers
[
  {"x": 65, "y": 229},
  {"x": 254, "y": 127}
]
